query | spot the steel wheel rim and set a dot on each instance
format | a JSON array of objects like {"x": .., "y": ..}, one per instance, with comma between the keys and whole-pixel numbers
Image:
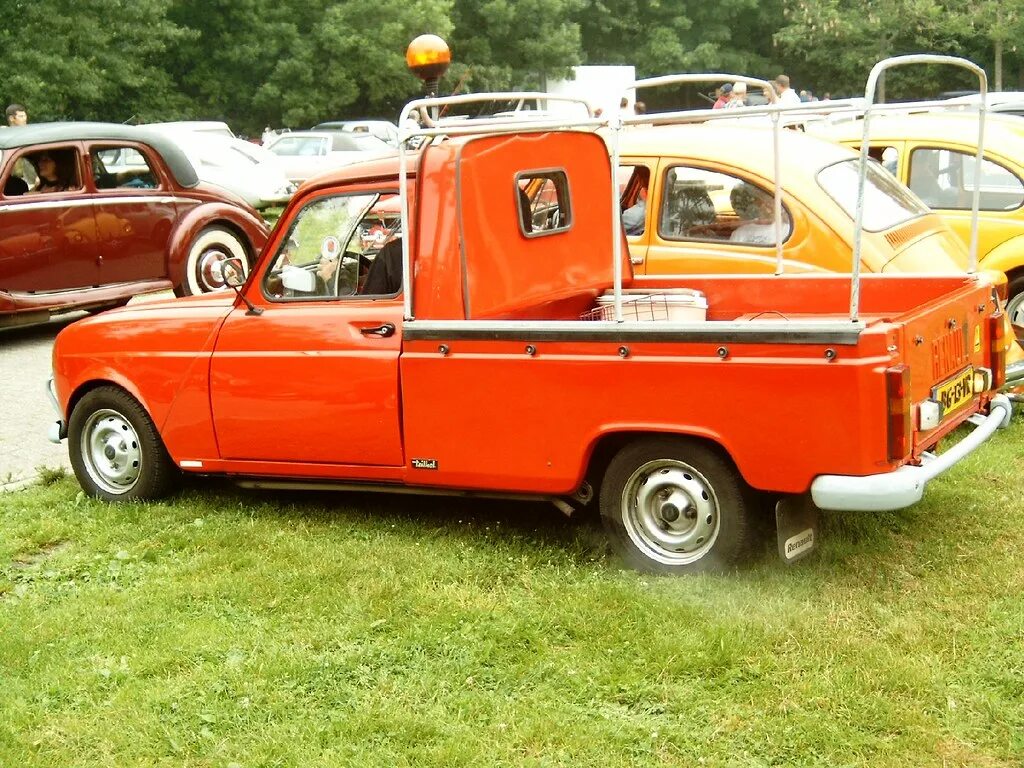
[
  {"x": 111, "y": 451},
  {"x": 1015, "y": 309},
  {"x": 210, "y": 269},
  {"x": 670, "y": 512}
]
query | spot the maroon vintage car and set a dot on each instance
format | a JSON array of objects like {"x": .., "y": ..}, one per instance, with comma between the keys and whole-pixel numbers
[{"x": 92, "y": 214}]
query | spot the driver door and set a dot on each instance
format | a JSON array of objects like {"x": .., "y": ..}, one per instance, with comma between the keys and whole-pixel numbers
[{"x": 314, "y": 378}]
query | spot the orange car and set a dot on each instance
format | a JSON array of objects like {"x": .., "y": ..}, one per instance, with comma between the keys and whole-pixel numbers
[
  {"x": 478, "y": 369},
  {"x": 696, "y": 176}
]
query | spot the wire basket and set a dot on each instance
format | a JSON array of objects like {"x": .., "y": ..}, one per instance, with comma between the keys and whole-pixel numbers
[{"x": 641, "y": 308}]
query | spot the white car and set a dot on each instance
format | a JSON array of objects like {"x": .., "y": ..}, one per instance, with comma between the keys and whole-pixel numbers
[
  {"x": 307, "y": 153},
  {"x": 239, "y": 166},
  {"x": 214, "y": 127},
  {"x": 382, "y": 129}
]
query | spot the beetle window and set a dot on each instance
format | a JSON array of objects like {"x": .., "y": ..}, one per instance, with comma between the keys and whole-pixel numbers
[
  {"x": 337, "y": 247},
  {"x": 697, "y": 204},
  {"x": 944, "y": 178},
  {"x": 887, "y": 203},
  {"x": 542, "y": 199},
  {"x": 121, "y": 168}
]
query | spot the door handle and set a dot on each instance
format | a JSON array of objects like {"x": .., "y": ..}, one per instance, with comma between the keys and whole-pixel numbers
[{"x": 385, "y": 330}]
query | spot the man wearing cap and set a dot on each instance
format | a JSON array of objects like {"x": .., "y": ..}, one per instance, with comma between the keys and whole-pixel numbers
[
  {"x": 737, "y": 96},
  {"x": 723, "y": 96},
  {"x": 787, "y": 96}
]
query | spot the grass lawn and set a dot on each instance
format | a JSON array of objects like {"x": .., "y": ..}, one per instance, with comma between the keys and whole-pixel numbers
[{"x": 228, "y": 628}]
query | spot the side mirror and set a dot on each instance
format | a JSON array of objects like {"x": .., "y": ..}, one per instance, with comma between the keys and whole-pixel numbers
[{"x": 234, "y": 272}]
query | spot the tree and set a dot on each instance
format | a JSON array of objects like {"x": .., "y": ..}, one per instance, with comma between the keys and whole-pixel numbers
[{"x": 89, "y": 59}]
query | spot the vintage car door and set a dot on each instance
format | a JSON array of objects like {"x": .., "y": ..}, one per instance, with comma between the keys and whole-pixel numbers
[
  {"x": 135, "y": 211},
  {"x": 634, "y": 193},
  {"x": 314, "y": 377},
  {"x": 48, "y": 240}
]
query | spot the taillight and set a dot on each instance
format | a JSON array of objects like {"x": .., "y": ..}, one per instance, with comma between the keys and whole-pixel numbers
[
  {"x": 997, "y": 349},
  {"x": 897, "y": 394}
]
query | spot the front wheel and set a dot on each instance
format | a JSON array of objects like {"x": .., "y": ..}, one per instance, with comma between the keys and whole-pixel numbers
[
  {"x": 673, "y": 505},
  {"x": 1015, "y": 303},
  {"x": 115, "y": 449},
  {"x": 204, "y": 265}
]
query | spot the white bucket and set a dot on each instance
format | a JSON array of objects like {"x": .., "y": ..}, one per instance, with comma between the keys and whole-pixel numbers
[{"x": 679, "y": 306}]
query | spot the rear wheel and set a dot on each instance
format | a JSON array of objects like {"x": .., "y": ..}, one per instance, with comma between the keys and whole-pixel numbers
[
  {"x": 115, "y": 449},
  {"x": 674, "y": 505},
  {"x": 204, "y": 265}
]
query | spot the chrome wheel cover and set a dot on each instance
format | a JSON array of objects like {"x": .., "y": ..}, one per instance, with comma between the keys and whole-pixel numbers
[
  {"x": 670, "y": 512},
  {"x": 210, "y": 268},
  {"x": 111, "y": 451}
]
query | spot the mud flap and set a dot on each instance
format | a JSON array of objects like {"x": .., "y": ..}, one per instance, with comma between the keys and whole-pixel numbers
[{"x": 796, "y": 518}]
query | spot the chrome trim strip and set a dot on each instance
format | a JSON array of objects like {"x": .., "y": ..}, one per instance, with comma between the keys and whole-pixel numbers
[
  {"x": 765, "y": 332},
  {"x": 79, "y": 202}
]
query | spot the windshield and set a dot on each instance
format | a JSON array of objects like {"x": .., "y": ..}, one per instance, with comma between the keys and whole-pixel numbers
[
  {"x": 356, "y": 142},
  {"x": 887, "y": 203},
  {"x": 307, "y": 146}
]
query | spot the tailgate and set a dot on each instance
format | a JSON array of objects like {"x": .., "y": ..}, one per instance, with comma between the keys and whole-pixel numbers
[{"x": 945, "y": 343}]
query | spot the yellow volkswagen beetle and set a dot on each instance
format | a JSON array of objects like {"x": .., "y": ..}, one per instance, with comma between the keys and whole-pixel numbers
[{"x": 935, "y": 154}]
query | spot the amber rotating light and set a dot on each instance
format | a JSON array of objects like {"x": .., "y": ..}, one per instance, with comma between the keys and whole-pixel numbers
[{"x": 428, "y": 58}]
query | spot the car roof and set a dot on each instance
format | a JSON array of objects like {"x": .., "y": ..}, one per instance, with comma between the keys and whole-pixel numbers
[
  {"x": 1004, "y": 134},
  {"x": 741, "y": 146},
  {"x": 45, "y": 133}
]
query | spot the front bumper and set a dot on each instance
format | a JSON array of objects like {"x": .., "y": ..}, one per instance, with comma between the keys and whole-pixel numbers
[
  {"x": 59, "y": 429},
  {"x": 905, "y": 486}
]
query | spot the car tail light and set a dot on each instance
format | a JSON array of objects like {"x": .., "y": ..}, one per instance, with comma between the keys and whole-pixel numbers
[
  {"x": 897, "y": 394},
  {"x": 997, "y": 349}
]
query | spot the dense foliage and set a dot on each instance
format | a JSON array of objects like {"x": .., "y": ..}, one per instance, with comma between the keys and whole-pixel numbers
[{"x": 294, "y": 62}]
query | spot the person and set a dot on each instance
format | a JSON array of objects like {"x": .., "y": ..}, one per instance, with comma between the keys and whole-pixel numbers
[
  {"x": 787, "y": 96},
  {"x": 737, "y": 98},
  {"x": 52, "y": 177},
  {"x": 268, "y": 134},
  {"x": 640, "y": 108},
  {"x": 755, "y": 208},
  {"x": 891, "y": 160},
  {"x": 724, "y": 94},
  {"x": 385, "y": 275},
  {"x": 16, "y": 115},
  {"x": 634, "y": 217}
]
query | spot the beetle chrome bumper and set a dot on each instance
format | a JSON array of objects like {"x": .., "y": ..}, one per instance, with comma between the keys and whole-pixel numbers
[
  {"x": 59, "y": 429},
  {"x": 905, "y": 486}
]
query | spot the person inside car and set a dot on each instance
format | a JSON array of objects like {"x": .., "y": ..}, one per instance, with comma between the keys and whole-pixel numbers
[{"x": 54, "y": 176}]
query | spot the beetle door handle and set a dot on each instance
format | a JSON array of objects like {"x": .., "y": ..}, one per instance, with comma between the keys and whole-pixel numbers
[{"x": 385, "y": 330}]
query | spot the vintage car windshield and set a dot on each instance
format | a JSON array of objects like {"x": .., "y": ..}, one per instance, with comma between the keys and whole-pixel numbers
[
  {"x": 357, "y": 142},
  {"x": 887, "y": 203},
  {"x": 304, "y": 146}
]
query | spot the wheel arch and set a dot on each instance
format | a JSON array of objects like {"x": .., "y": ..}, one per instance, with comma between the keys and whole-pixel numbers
[
  {"x": 604, "y": 447},
  {"x": 251, "y": 233},
  {"x": 92, "y": 384}
]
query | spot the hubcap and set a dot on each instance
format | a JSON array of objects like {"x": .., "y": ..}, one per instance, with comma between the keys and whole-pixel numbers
[
  {"x": 210, "y": 269},
  {"x": 111, "y": 452},
  {"x": 670, "y": 512}
]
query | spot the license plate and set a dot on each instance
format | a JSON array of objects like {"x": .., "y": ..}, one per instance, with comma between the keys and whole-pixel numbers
[{"x": 956, "y": 392}]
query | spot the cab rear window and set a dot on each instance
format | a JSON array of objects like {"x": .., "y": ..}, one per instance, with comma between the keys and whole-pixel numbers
[{"x": 887, "y": 203}]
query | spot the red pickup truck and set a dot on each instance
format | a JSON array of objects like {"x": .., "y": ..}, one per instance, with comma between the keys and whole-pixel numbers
[{"x": 495, "y": 356}]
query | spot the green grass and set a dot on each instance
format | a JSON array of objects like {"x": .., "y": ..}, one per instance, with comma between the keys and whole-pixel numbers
[{"x": 229, "y": 628}]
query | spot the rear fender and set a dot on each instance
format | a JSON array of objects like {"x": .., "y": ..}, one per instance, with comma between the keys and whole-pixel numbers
[{"x": 1006, "y": 257}]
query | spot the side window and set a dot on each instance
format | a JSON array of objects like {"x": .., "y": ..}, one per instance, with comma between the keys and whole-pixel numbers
[
  {"x": 634, "y": 182},
  {"x": 542, "y": 199},
  {"x": 697, "y": 204},
  {"x": 944, "y": 178},
  {"x": 889, "y": 157},
  {"x": 340, "y": 246},
  {"x": 47, "y": 171},
  {"x": 121, "y": 167}
]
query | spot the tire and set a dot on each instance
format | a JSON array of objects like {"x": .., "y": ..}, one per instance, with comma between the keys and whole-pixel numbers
[
  {"x": 1015, "y": 302},
  {"x": 673, "y": 505},
  {"x": 210, "y": 248},
  {"x": 115, "y": 450}
]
